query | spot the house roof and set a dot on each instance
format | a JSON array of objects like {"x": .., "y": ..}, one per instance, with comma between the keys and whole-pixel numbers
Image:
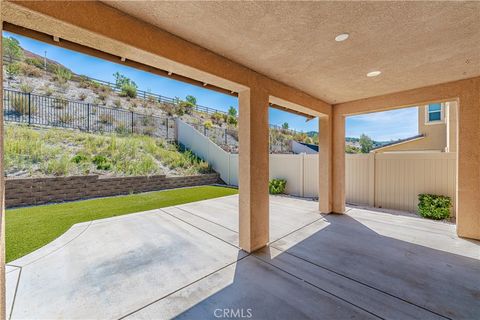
[
  {"x": 314, "y": 147},
  {"x": 393, "y": 143}
]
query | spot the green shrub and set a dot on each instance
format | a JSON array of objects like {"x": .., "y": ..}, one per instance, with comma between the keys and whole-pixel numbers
[
  {"x": 35, "y": 62},
  {"x": 105, "y": 89},
  {"x": 179, "y": 109},
  {"x": 62, "y": 75},
  {"x": 12, "y": 70},
  {"x": 208, "y": 124},
  {"x": 102, "y": 96},
  {"x": 26, "y": 88},
  {"x": 117, "y": 103},
  {"x": 232, "y": 120},
  {"x": 217, "y": 118},
  {"x": 168, "y": 108},
  {"x": 128, "y": 90},
  {"x": 151, "y": 99},
  {"x": 121, "y": 129},
  {"x": 102, "y": 162},
  {"x": 277, "y": 186},
  {"x": 48, "y": 91},
  {"x": 30, "y": 71},
  {"x": 79, "y": 157},
  {"x": 433, "y": 206},
  {"x": 57, "y": 166},
  {"x": 83, "y": 82},
  {"x": 186, "y": 107}
]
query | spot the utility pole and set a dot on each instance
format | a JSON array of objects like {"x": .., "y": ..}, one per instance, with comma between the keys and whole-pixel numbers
[{"x": 45, "y": 62}]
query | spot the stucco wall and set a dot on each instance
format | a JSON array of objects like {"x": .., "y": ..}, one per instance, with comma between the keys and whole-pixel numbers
[{"x": 435, "y": 133}]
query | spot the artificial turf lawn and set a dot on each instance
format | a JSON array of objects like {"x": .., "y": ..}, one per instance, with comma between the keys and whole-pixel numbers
[{"x": 30, "y": 228}]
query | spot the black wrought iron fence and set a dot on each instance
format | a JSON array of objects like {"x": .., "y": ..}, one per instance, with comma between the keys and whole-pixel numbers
[
  {"x": 57, "y": 112},
  {"x": 142, "y": 94}
]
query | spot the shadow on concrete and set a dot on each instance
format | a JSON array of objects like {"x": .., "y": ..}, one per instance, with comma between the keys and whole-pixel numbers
[{"x": 339, "y": 268}]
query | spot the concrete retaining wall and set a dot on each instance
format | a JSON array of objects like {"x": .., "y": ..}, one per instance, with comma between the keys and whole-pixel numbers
[{"x": 28, "y": 191}]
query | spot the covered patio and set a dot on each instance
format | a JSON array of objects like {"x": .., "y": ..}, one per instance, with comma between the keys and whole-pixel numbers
[
  {"x": 185, "y": 262},
  {"x": 284, "y": 258}
]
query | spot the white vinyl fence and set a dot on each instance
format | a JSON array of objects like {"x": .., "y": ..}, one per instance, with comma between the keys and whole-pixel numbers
[
  {"x": 386, "y": 180},
  {"x": 394, "y": 180},
  {"x": 300, "y": 170}
]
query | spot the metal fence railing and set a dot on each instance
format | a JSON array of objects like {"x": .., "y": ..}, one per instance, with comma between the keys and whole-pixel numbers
[
  {"x": 157, "y": 97},
  {"x": 142, "y": 94},
  {"x": 44, "y": 110}
]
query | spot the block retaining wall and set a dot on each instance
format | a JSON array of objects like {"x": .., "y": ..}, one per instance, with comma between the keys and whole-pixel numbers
[{"x": 35, "y": 191}]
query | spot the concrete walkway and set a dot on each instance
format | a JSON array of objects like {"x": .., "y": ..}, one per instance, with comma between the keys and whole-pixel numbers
[{"x": 184, "y": 262}]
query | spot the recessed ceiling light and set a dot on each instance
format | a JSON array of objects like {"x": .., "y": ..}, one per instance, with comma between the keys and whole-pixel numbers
[
  {"x": 373, "y": 74},
  {"x": 342, "y": 37}
]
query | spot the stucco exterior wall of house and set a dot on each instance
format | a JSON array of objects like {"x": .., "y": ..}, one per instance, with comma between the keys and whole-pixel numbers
[
  {"x": 438, "y": 136},
  {"x": 451, "y": 115}
]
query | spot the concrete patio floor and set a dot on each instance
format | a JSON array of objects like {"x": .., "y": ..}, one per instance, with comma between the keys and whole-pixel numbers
[{"x": 184, "y": 262}]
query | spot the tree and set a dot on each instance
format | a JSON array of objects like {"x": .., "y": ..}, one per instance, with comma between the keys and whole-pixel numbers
[
  {"x": 191, "y": 100},
  {"x": 12, "y": 49},
  {"x": 121, "y": 81},
  {"x": 366, "y": 144},
  {"x": 285, "y": 125},
  {"x": 232, "y": 120},
  {"x": 351, "y": 149},
  {"x": 126, "y": 85},
  {"x": 232, "y": 111}
]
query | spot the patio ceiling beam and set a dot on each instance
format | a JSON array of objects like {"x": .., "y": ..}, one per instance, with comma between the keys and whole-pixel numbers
[
  {"x": 66, "y": 44},
  {"x": 114, "y": 30}
]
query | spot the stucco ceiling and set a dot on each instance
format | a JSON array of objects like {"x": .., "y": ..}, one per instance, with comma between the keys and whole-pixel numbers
[{"x": 414, "y": 44}]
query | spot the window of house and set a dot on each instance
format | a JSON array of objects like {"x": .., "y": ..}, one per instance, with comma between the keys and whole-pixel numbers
[{"x": 434, "y": 112}]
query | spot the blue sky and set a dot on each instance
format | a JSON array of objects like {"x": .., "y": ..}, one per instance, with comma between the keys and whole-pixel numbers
[
  {"x": 379, "y": 126},
  {"x": 384, "y": 126}
]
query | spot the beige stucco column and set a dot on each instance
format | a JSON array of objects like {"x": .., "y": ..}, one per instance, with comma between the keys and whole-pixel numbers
[
  {"x": 325, "y": 164},
  {"x": 468, "y": 157},
  {"x": 253, "y": 169},
  {"x": 338, "y": 162}
]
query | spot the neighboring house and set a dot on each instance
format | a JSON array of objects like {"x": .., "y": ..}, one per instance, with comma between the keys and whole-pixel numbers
[
  {"x": 300, "y": 147},
  {"x": 437, "y": 131}
]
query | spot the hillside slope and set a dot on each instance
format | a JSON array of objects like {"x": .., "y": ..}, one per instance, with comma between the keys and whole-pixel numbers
[
  {"x": 31, "y": 75},
  {"x": 39, "y": 152}
]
